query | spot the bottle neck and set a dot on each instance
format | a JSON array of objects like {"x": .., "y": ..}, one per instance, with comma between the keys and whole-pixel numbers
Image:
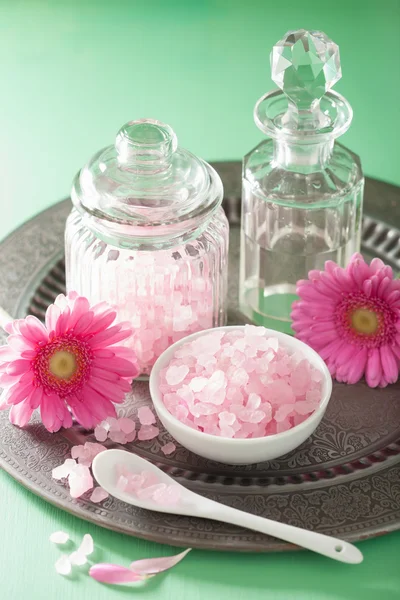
[{"x": 302, "y": 158}]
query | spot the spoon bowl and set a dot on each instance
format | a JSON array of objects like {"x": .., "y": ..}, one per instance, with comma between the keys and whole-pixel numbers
[{"x": 105, "y": 466}]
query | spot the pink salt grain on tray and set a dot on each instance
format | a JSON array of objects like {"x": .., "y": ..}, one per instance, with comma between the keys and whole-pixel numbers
[
  {"x": 146, "y": 486},
  {"x": 240, "y": 383}
]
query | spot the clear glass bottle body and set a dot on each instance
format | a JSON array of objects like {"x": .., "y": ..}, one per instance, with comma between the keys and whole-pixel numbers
[
  {"x": 294, "y": 218},
  {"x": 166, "y": 292}
]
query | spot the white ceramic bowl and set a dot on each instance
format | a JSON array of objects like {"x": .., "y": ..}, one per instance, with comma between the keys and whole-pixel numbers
[{"x": 241, "y": 451}]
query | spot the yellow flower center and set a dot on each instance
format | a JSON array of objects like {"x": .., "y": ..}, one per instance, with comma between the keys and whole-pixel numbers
[
  {"x": 63, "y": 364},
  {"x": 365, "y": 321}
]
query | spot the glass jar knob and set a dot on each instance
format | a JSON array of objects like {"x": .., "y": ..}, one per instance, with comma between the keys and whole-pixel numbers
[{"x": 145, "y": 145}]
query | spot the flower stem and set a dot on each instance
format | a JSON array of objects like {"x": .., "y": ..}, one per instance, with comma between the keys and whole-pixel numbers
[{"x": 4, "y": 318}]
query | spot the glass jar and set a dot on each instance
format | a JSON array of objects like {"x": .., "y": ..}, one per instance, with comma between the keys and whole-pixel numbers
[
  {"x": 302, "y": 191},
  {"x": 148, "y": 234}
]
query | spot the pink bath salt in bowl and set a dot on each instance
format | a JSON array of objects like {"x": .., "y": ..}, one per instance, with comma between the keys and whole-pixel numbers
[{"x": 240, "y": 394}]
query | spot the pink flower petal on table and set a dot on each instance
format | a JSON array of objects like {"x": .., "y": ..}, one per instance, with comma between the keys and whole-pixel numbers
[
  {"x": 98, "y": 495},
  {"x": 151, "y": 566},
  {"x": 109, "y": 573}
]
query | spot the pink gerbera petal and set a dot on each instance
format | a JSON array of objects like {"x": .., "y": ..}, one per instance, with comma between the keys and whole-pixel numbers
[
  {"x": 356, "y": 333},
  {"x": 20, "y": 414}
]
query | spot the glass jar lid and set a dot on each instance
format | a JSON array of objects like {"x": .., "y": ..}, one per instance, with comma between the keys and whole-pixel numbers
[{"x": 145, "y": 185}]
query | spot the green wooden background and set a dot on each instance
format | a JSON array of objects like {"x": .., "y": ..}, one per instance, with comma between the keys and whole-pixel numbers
[{"x": 71, "y": 73}]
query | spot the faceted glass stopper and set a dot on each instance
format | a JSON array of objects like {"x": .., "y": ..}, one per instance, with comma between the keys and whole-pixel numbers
[{"x": 305, "y": 65}]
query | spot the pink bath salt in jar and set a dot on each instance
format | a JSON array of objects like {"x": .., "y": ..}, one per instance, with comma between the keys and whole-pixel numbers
[{"x": 147, "y": 234}]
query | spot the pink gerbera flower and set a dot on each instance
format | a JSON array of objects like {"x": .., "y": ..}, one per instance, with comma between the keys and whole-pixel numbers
[
  {"x": 351, "y": 317},
  {"x": 70, "y": 365}
]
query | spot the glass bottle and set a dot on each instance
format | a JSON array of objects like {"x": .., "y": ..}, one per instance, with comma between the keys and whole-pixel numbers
[
  {"x": 302, "y": 191},
  {"x": 148, "y": 234}
]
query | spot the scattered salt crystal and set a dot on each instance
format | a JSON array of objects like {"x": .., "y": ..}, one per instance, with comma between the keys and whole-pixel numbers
[
  {"x": 59, "y": 537},
  {"x": 100, "y": 433},
  {"x": 168, "y": 448},
  {"x": 126, "y": 425},
  {"x": 148, "y": 432},
  {"x": 77, "y": 558},
  {"x": 63, "y": 470},
  {"x": 77, "y": 451},
  {"x": 63, "y": 565},
  {"x": 87, "y": 545},
  {"x": 98, "y": 495},
  {"x": 146, "y": 416},
  {"x": 80, "y": 481},
  {"x": 118, "y": 437},
  {"x": 129, "y": 437}
]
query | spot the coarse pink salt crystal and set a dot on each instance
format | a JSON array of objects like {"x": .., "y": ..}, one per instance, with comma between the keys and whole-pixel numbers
[
  {"x": 283, "y": 411},
  {"x": 227, "y": 418},
  {"x": 176, "y": 374},
  {"x": 148, "y": 478},
  {"x": 126, "y": 425},
  {"x": 168, "y": 497},
  {"x": 98, "y": 495},
  {"x": 304, "y": 407},
  {"x": 280, "y": 392},
  {"x": 122, "y": 483},
  {"x": 253, "y": 401},
  {"x": 197, "y": 384},
  {"x": 283, "y": 426},
  {"x": 147, "y": 432},
  {"x": 62, "y": 471},
  {"x": 168, "y": 448},
  {"x": 146, "y": 416},
  {"x": 129, "y": 437},
  {"x": 251, "y": 416},
  {"x": 300, "y": 378},
  {"x": 147, "y": 493},
  {"x": 100, "y": 433},
  {"x": 80, "y": 481},
  {"x": 298, "y": 419},
  {"x": 118, "y": 437},
  {"x": 240, "y": 377},
  {"x": 313, "y": 395},
  {"x": 239, "y": 383},
  {"x": 185, "y": 393}
]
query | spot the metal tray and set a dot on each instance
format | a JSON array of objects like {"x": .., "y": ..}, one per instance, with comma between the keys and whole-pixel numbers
[{"x": 344, "y": 480}]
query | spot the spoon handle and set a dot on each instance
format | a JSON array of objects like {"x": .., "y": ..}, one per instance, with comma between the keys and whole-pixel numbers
[{"x": 317, "y": 542}]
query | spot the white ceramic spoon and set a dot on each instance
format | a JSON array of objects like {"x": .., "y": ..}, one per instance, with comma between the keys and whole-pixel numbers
[{"x": 191, "y": 504}]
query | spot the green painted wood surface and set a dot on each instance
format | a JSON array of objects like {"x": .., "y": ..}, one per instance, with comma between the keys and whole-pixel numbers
[{"x": 71, "y": 73}]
